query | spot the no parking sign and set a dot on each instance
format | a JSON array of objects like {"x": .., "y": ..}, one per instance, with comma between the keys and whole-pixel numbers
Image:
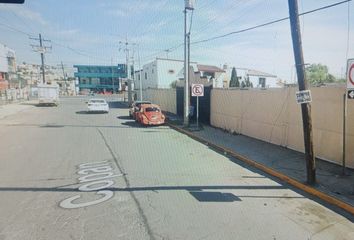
[{"x": 350, "y": 74}]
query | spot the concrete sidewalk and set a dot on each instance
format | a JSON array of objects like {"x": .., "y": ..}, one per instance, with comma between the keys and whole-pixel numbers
[
  {"x": 13, "y": 108},
  {"x": 279, "y": 159}
]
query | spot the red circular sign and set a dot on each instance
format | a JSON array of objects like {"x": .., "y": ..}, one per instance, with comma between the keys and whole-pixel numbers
[{"x": 350, "y": 74}]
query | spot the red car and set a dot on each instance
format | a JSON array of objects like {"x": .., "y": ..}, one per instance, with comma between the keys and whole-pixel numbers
[{"x": 150, "y": 114}]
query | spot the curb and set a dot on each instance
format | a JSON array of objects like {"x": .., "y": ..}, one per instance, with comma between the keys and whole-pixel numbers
[{"x": 295, "y": 183}]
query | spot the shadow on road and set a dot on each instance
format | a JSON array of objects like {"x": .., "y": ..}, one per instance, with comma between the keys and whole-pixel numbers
[
  {"x": 124, "y": 117},
  {"x": 87, "y": 112},
  {"x": 45, "y": 105},
  {"x": 117, "y": 104},
  {"x": 132, "y": 124}
]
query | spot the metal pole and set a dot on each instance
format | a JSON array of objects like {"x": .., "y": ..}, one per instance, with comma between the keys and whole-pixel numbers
[
  {"x": 66, "y": 87},
  {"x": 140, "y": 80},
  {"x": 197, "y": 112},
  {"x": 303, "y": 85},
  {"x": 186, "y": 70},
  {"x": 112, "y": 76},
  {"x": 128, "y": 75},
  {"x": 42, "y": 56},
  {"x": 344, "y": 132}
]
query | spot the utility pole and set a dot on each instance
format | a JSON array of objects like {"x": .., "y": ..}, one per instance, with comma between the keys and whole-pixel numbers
[
  {"x": 188, "y": 6},
  {"x": 140, "y": 80},
  {"x": 64, "y": 76},
  {"x": 126, "y": 50},
  {"x": 303, "y": 85},
  {"x": 42, "y": 49},
  {"x": 112, "y": 76}
]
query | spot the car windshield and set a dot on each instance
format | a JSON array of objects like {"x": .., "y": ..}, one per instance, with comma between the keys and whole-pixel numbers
[{"x": 177, "y": 119}]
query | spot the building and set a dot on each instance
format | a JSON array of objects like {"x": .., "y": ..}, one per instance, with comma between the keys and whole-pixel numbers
[
  {"x": 164, "y": 73},
  {"x": 211, "y": 74},
  {"x": 258, "y": 79},
  {"x": 99, "y": 78},
  {"x": 31, "y": 74},
  {"x": 160, "y": 73},
  {"x": 7, "y": 66}
]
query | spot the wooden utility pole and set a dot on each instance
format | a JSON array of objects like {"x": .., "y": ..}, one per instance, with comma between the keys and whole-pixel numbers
[
  {"x": 42, "y": 49},
  {"x": 303, "y": 85}
]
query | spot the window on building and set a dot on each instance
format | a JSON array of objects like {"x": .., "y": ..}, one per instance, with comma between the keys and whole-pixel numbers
[
  {"x": 152, "y": 70},
  {"x": 146, "y": 76},
  {"x": 262, "y": 82}
]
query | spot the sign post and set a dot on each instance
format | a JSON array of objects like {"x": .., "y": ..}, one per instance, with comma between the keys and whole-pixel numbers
[{"x": 197, "y": 91}]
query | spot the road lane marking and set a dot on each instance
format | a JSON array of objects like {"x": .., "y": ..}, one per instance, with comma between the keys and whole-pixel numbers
[{"x": 97, "y": 177}]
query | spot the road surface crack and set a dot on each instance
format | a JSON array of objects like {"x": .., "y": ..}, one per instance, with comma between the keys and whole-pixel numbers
[{"x": 127, "y": 183}]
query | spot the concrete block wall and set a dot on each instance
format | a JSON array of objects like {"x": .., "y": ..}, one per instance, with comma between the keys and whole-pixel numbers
[
  {"x": 165, "y": 98},
  {"x": 273, "y": 116}
]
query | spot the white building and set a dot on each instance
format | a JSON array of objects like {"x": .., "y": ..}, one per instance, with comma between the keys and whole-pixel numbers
[
  {"x": 7, "y": 65},
  {"x": 162, "y": 73},
  {"x": 258, "y": 79}
]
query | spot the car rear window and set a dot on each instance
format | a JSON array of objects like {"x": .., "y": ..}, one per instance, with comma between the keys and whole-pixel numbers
[
  {"x": 138, "y": 104},
  {"x": 97, "y": 101},
  {"x": 152, "y": 109}
]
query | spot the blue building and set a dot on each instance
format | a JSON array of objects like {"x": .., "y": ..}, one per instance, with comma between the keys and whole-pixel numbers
[{"x": 99, "y": 78}]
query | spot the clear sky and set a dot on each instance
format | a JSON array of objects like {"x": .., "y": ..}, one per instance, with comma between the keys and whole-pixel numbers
[{"x": 89, "y": 31}]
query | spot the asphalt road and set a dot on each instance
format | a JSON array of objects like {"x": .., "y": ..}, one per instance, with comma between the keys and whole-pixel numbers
[{"x": 65, "y": 174}]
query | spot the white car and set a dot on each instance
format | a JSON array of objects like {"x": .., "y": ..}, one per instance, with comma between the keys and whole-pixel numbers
[{"x": 97, "y": 105}]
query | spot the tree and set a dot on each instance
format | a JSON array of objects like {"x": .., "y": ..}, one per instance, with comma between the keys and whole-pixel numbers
[
  {"x": 243, "y": 85},
  {"x": 234, "y": 79},
  {"x": 318, "y": 74},
  {"x": 248, "y": 82},
  {"x": 173, "y": 84}
]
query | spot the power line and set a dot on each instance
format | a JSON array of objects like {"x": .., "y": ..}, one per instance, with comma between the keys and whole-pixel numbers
[
  {"x": 246, "y": 29},
  {"x": 268, "y": 23},
  {"x": 15, "y": 29}
]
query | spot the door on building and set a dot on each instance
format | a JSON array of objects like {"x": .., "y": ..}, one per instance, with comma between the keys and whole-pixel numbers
[{"x": 262, "y": 82}]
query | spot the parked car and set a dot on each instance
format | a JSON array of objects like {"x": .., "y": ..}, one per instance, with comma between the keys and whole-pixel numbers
[
  {"x": 135, "y": 107},
  {"x": 97, "y": 105},
  {"x": 150, "y": 114}
]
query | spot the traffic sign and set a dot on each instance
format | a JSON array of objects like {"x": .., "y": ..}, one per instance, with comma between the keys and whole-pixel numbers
[
  {"x": 197, "y": 90},
  {"x": 350, "y": 94},
  {"x": 350, "y": 74},
  {"x": 303, "y": 96}
]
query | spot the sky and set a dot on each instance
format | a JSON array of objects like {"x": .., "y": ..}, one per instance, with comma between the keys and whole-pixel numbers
[{"x": 92, "y": 32}]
